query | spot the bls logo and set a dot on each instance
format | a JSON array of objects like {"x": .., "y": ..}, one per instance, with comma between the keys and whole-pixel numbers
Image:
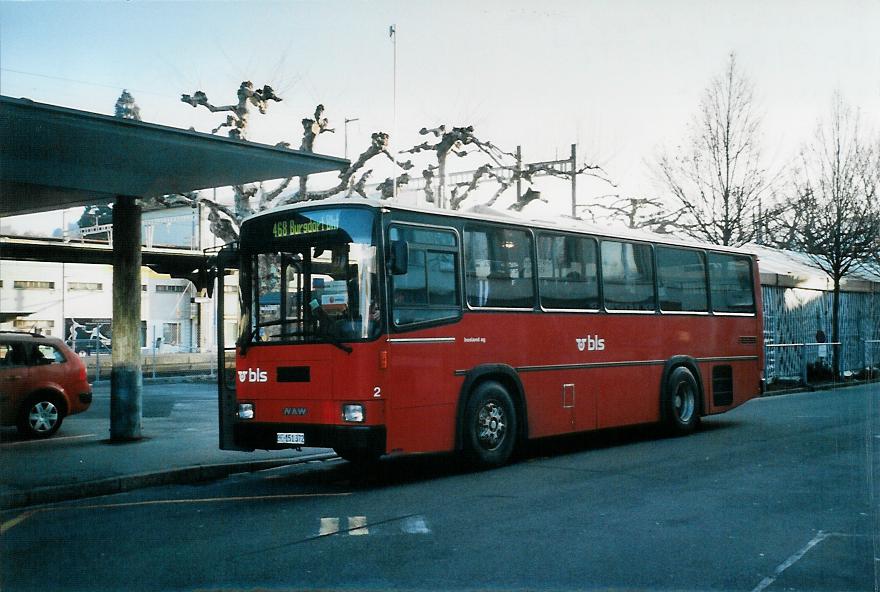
[
  {"x": 250, "y": 375},
  {"x": 590, "y": 343}
]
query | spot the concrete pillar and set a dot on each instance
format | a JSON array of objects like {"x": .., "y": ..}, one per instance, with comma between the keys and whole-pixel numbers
[{"x": 126, "y": 382}]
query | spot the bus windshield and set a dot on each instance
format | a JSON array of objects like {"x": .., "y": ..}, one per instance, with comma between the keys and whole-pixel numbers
[{"x": 312, "y": 277}]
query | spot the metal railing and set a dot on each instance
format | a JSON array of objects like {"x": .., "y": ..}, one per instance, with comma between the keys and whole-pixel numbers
[
  {"x": 157, "y": 358},
  {"x": 92, "y": 347},
  {"x": 815, "y": 361},
  {"x": 804, "y": 348},
  {"x": 870, "y": 359}
]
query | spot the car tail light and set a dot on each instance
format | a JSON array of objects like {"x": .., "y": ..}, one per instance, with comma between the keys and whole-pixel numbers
[{"x": 82, "y": 373}]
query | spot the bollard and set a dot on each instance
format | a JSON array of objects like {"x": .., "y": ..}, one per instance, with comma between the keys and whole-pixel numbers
[{"x": 156, "y": 346}]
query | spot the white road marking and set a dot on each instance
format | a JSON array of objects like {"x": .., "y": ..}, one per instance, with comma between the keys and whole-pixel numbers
[
  {"x": 415, "y": 525},
  {"x": 768, "y": 581},
  {"x": 48, "y": 440},
  {"x": 17, "y": 520},
  {"x": 329, "y": 526},
  {"x": 357, "y": 526}
]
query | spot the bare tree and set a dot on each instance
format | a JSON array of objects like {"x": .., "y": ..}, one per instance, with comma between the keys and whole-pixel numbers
[
  {"x": 635, "y": 212},
  {"x": 312, "y": 128},
  {"x": 378, "y": 146},
  {"x": 453, "y": 141},
  {"x": 835, "y": 214},
  {"x": 717, "y": 178},
  {"x": 225, "y": 221},
  {"x": 502, "y": 167},
  {"x": 237, "y": 120}
]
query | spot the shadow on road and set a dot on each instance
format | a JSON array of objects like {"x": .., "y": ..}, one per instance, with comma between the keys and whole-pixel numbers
[{"x": 394, "y": 471}]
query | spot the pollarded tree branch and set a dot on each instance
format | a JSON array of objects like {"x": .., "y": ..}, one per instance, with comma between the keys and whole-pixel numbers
[
  {"x": 378, "y": 146},
  {"x": 312, "y": 128},
  {"x": 238, "y": 119}
]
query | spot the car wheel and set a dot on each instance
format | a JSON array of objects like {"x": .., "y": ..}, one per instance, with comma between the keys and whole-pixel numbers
[
  {"x": 40, "y": 417},
  {"x": 681, "y": 402},
  {"x": 490, "y": 426}
]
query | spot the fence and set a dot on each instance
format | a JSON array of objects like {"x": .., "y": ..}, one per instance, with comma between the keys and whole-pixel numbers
[
  {"x": 795, "y": 322},
  {"x": 809, "y": 363},
  {"x": 97, "y": 357}
]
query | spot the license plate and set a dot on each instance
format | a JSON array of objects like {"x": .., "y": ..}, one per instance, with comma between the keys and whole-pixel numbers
[{"x": 291, "y": 438}]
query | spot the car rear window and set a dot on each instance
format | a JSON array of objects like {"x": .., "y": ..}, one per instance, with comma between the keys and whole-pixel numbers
[
  {"x": 23, "y": 353},
  {"x": 48, "y": 354}
]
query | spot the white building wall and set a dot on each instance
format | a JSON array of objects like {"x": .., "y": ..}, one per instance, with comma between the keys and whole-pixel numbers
[
  {"x": 169, "y": 313},
  {"x": 82, "y": 291}
]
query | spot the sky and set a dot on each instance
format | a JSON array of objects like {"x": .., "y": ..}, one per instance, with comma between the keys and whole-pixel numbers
[{"x": 621, "y": 79}]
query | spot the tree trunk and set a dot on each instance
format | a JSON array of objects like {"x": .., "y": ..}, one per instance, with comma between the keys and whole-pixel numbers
[
  {"x": 441, "y": 193},
  {"x": 835, "y": 328}
]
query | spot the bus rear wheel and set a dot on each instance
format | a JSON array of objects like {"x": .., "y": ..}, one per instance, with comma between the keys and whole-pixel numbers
[
  {"x": 490, "y": 425},
  {"x": 681, "y": 405}
]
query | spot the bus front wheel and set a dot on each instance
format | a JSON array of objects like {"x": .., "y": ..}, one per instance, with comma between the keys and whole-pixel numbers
[
  {"x": 490, "y": 426},
  {"x": 681, "y": 406}
]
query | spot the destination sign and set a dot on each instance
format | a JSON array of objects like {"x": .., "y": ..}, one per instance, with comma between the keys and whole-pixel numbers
[{"x": 285, "y": 228}]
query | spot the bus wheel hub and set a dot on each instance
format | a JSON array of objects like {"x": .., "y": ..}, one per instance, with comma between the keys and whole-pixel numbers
[{"x": 491, "y": 424}]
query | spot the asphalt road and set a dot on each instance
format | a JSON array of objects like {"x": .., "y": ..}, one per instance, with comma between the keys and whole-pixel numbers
[{"x": 778, "y": 495}]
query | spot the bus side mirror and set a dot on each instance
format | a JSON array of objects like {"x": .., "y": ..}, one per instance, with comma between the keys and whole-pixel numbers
[{"x": 399, "y": 260}]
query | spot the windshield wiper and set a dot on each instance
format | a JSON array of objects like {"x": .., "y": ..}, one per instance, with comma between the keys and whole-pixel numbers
[{"x": 333, "y": 340}]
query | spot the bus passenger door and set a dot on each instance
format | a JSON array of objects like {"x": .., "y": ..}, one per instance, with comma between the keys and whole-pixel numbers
[
  {"x": 227, "y": 263},
  {"x": 424, "y": 300},
  {"x": 421, "y": 394}
]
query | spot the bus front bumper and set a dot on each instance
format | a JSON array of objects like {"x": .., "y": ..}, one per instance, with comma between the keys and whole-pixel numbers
[{"x": 264, "y": 436}]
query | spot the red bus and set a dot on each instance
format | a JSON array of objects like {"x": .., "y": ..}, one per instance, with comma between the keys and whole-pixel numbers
[{"x": 374, "y": 328}]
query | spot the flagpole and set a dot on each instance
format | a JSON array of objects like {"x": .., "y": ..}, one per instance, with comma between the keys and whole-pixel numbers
[{"x": 392, "y": 32}]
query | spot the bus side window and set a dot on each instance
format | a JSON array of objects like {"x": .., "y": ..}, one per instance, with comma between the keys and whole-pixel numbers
[
  {"x": 498, "y": 268},
  {"x": 627, "y": 276},
  {"x": 567, "y": 272},
  {"x": 730, "y": 281},
  {"x": 428, "y": 291},
  {"x": 681, "y": 280}
]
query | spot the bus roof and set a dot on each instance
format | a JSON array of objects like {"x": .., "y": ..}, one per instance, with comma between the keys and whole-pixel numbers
[{"x": 486, "y": 214}]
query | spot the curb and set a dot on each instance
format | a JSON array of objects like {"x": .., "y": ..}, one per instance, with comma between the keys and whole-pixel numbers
[
  {"x": 112, "y": 485},
  {"x": 812, "y": 388}
]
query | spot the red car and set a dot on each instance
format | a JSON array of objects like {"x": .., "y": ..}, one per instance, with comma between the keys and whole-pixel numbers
[{"x": 42, "y": 381}]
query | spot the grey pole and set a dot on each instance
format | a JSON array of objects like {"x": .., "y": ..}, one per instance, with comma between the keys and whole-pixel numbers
[
  {"x": 518, "y": 173},
  {"x": 574, "y": 180},
  {"x": 347, "y": 121},
  {"x": 126, "y": 382}
]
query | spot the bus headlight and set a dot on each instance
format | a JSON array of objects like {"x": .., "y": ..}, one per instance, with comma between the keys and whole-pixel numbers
[
  {"x": 245, "y": 411},
  {"x": 353, "y": 413}
]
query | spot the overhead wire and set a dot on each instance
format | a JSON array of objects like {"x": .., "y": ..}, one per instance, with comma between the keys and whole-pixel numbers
[{"x": 86, "y": 82}]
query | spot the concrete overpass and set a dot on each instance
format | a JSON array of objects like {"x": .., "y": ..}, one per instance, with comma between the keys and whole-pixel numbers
[{"x": 53, "y": 157}]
